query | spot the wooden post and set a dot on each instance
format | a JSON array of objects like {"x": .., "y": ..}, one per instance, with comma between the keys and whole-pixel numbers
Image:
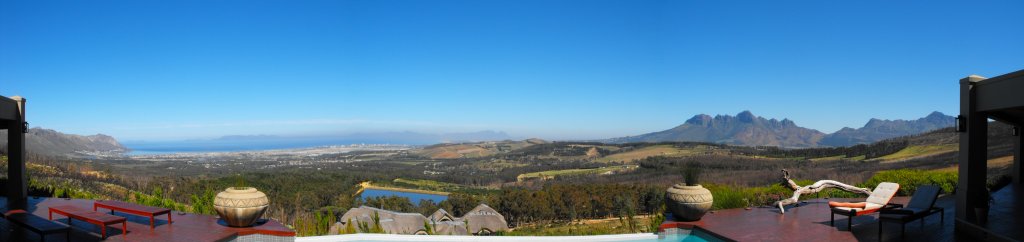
[
  {"x": 973, "y": 153},
  {"x": 1018, "y": 168},
  {"x": 17, "y": 185}
]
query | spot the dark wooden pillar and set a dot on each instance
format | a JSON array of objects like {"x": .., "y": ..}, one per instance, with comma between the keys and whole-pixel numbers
[
  {"x": 1018, "y": 168},
  {"x": 17, "y": 185},
  {"x": 973, "y": 152}
]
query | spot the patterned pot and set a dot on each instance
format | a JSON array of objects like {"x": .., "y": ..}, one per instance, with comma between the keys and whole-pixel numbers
[
  {"x": 241, "y": 206},
  {"x": 688, "y": 203}
]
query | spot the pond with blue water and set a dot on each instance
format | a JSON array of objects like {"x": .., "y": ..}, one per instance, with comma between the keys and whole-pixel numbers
[{"x": 414, "y": 197}]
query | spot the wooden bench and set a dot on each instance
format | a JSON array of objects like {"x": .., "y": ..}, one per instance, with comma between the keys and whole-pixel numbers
[
  {"x": 37, "y": 224},
  {"x": 132, "y": 208},
  {"x": 93, "y": 217}
]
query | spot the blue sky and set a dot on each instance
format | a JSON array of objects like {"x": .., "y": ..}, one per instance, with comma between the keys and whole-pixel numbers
[{"x": 146, "y": 70}]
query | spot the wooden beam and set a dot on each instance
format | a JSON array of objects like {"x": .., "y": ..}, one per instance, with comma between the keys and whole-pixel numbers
[
  {"x": 1001, "y": 92},
  {"x": 8, "y": 109}
]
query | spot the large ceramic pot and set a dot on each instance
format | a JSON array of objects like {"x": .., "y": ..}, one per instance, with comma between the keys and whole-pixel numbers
[
  {"x": 240, "y": 206},
  {"x": 688, "y": 203}
]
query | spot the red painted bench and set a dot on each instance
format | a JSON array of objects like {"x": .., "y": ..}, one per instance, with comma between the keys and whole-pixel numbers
[
  {"x": 132, "y": 208},
  {"x": 93, "y": 217}
]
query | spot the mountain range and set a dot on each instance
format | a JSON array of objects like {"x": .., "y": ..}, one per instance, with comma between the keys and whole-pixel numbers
[
  {"x": 747, "y": 129},
  {"x": 877, "y": 129},
  {"x": 50, "y": 142}
]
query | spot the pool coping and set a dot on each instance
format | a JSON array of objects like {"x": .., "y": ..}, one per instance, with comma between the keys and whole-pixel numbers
[
  {"x": 460, "y": 238},
  {"x": 676, "y": 227}
]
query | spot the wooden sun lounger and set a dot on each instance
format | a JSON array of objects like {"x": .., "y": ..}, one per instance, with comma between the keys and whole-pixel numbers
[
  {"x": 921, "y": 205},
  {"x": 136, "y": 209},
  {"x": 93, "y": 217},
  {"x": 878, "y": 200},
  {"x": 37, "y": 224}
]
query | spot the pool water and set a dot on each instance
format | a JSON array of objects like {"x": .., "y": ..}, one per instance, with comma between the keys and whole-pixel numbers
[
  {"x": 683, "y": 236},
  {"x": 675, "y": 235},
  {"x": 412, "y": 196}
]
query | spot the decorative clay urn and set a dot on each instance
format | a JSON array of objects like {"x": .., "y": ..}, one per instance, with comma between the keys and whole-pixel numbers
[
  {"x": 241, "y": 206},
  {"x": 688, "y": 203}
]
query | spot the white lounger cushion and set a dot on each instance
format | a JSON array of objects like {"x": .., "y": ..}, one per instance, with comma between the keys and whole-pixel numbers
[{"x": 883, "y": 193}]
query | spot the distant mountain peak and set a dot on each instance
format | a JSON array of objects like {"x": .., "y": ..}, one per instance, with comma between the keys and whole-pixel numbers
[
  {"x": 788, "y": 122},
  {"x": 700, "y": 119},
  {"x": 874, "y": 122},
  {"x": 936, "y": 114},
  {"x": 746, "y": 116}
]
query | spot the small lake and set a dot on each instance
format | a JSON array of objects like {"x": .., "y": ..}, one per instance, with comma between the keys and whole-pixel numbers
[{"x": 414, "y": 197}]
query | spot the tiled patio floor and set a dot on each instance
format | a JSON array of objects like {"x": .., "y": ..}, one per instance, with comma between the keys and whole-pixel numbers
[
  {"x": 810, "y": 222},
  {"x": 186, "y": 227}
]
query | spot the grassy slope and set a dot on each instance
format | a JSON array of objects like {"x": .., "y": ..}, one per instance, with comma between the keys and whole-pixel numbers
[
  {"x": 657, "y": 150},
  {"x": 918, "y": 151},
  {"x": 553, "y": 173},
  {"x": 438, "y": 186}
]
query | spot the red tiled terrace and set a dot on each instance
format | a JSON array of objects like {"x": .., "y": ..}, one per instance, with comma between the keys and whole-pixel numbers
[
  {"x": 810, "y": 222},
  {"x": 185, "y": 228}
]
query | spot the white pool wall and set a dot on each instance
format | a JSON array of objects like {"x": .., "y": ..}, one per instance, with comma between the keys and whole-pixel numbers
[{"x": 463, "y": 238}]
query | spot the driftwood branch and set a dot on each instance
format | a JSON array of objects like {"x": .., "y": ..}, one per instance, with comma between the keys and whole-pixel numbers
[{"x": 813, "y": 188}]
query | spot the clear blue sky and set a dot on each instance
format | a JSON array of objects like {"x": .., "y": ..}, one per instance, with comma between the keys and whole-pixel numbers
[{"x": 147, "y": 70}]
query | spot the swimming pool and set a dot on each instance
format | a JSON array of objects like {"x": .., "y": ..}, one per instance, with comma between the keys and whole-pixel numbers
[{"x": 680, "y": 235}]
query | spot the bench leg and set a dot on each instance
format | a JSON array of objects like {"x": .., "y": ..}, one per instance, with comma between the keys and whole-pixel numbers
[
  {"x": 124, "y": 228},
  {"x": 169, "y": 217},
  {"x": 849, "y": 223},
  {"x": 103, "y": 231},
  {"x": 152, "y": 223},
  {"x": 833, "y": 222},
  {"x": 903, "y": 231},
  {"x": 942, "y": 216},
  {"x": 879, "y": 230}
]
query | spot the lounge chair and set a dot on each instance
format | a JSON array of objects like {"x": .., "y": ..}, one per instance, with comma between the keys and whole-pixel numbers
[
  {"x": 921, "y": 205},
  {"x": 878, "y": 199},
  {"x": 37, "y": 224}
]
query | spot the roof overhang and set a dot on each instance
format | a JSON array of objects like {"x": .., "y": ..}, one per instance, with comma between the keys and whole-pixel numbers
[
  {"x": 1001, "y": 97},
  {"x": 9, "y": 109}
]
